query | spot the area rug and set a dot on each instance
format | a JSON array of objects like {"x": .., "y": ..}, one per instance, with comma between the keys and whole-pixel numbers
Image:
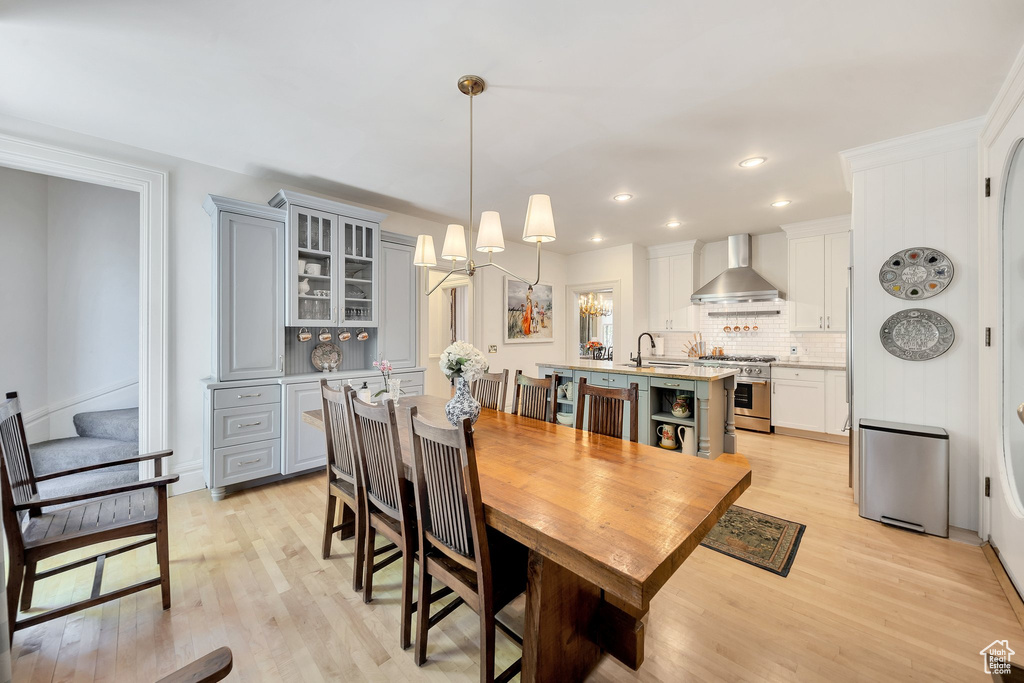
[{"x": 756, "y": 538}]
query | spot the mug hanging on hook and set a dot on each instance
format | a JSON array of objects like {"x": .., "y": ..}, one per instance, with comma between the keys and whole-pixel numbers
[
  {"x": 325, "y": 335},
  {"x": 362, "y": 335},
  {"x": 344, "y": 335},
  {"x": 304, "y": 334}
]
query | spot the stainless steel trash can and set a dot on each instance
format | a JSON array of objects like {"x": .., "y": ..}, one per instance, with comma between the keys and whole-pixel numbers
[{"x": 904, "y": 476}]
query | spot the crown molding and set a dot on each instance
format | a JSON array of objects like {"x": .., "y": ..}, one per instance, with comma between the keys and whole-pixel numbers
[
  {"x": 914, "y": 146},
  {"x": 284, "y": 197},
  {"x": 214, "y": 203},
  {"x": 675, "y": 249},
  {"x": 1009, "y": 98},
  {"x": 819, "y": 226}
]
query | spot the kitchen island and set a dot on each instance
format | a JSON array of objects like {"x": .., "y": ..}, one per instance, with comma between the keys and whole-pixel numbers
[{"x": 709, "y": 429}]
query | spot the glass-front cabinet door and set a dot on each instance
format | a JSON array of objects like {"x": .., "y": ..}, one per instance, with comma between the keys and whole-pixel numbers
[
  {"x": 359, "y": 254},
  {"x": 313, "y": 286}
]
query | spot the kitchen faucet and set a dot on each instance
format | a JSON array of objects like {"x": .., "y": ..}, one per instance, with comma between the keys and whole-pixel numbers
[{"x": 640, "y": 361}]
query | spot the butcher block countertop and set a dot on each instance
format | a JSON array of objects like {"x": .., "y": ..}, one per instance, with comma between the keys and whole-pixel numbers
[{"x": 694, "y": 372}]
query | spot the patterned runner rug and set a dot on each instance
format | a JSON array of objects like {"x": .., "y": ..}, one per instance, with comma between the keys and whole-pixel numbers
[{"x": 756, "y": 538}]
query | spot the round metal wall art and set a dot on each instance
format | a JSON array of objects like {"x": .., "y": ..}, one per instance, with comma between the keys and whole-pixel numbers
[
  {"x": 916, "y": 273},
  {"x": 916, "y": 334}
]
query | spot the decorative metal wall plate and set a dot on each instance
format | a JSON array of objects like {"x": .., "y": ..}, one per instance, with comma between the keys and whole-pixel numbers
[
  {"x": 916, "y": 273},
  {"x": 916, "y": 334}
]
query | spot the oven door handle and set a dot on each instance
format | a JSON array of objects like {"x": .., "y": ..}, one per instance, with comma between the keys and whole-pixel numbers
[{"x": 751, "y": 381}]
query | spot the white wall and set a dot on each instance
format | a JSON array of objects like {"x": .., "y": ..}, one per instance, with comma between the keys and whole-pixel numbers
[
  {"x": 71, "y": 344},
  {"x": 921, "y": 191},
  {"x": 626, "y": 266},
  {"x": 490, "y": 319},
  {"x": 92, "y": 313},
  {"x": 23, "y": 264}
]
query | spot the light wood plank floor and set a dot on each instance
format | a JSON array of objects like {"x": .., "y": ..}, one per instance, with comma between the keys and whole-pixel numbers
[{"x": 862, "y": 602}]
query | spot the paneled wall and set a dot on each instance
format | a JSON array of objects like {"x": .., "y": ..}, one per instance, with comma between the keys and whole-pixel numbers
[{"x": 921, "y": 191}]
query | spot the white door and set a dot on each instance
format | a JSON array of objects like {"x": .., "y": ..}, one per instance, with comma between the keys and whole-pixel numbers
[
  {"x": 807, "y": 283},
  {"x": 399, "y": 331},
  {"x": 1001, "y": 365}
]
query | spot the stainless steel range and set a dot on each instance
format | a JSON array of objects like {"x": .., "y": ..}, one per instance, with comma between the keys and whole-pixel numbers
[{"x": 753, "y": 388}]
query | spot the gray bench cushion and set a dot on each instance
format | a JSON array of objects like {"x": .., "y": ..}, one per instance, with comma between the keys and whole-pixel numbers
[
  {"x": 120, "y": 425},
  {"x": 78, "y": 451}
]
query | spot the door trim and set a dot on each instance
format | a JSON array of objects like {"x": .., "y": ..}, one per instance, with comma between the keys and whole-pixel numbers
[{"x": 152, "y": 188}]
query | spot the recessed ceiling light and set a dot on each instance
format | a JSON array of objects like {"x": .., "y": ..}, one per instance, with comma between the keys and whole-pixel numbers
[
  {"x": 597, "y": 239},
  {"x": 781, "y": 203},
  {"x": 622, "y": 197},
  {"x": 673, "y": 224},
  {"x": 752, "y": 161}
]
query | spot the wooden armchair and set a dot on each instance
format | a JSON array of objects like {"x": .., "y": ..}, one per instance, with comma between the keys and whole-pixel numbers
[
  {"x": 490, "y": 390},
  {"x": 606, "y": 409},
  {"x": 212, "y": 667},
  {"x": 535, "y": 398},
  {"x": 484, "y": 568},
  {"x": 124, "y": 511}
]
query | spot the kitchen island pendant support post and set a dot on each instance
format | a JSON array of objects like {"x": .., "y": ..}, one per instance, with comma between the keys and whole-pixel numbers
[{"x": 729, "y": 444}]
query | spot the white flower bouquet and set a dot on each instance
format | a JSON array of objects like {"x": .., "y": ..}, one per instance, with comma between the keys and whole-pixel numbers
[{"x": 464, "y": 360}]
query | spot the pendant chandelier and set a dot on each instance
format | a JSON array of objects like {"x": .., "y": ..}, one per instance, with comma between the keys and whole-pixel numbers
[
  {"x": 539, "y": 227},
  {"x": 593, "y": 306}
]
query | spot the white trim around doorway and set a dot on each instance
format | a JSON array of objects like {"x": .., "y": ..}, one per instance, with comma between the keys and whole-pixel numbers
[{"x": 151, "y": 185}]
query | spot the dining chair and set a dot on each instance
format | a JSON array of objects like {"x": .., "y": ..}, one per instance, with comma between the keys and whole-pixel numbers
[
  {"x": 128, "y": 510},
  {"x": 485, "y": 569},
  {"x": 535, "y": 398},
  {"x": 387, "y": 500},
  {"x": 606, "y": 408},
  {"x": 211, "y": 667},
  {"x": 490, "y": 390},
  {"x": 343, "y": 482}
]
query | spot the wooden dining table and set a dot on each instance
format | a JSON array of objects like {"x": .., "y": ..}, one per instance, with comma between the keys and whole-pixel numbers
[{"x": 606, "y": 522}]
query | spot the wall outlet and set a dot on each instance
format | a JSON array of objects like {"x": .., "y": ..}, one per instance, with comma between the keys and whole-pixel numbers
[
  {"x": 493, "y": 348},
  {"x": 793, "y": 350}
]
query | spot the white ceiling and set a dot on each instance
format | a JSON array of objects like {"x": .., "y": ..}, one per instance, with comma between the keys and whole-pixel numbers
[{"x": 585, "y": 99}]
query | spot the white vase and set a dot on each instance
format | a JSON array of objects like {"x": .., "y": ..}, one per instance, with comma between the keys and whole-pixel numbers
[
  {"x": 394, "y": 389},
  {"x": 462, "y": 405},
  {"x": 304, "y": 286}
]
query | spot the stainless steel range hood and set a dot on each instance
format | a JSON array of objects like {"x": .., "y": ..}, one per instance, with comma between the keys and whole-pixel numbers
[{"x": 739, "y": 283}]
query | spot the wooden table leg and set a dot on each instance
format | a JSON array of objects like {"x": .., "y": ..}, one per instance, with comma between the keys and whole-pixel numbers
[{"x": 560, "y": 609}]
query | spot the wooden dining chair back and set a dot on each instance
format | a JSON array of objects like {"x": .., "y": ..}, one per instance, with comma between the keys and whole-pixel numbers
[
  {"x": 491, "y": 389},
  {"x": 343, "y": 480},
  {"x": 535, "y": 397},
  {"x": 387, "y": 499},
  {"x": 454, "y": 544},
  {"x": 124, "y": 511},
  {"x": 604, "y": 409}
]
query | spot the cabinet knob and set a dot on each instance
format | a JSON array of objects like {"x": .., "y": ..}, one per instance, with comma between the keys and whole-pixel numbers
[{"x": 821, "y": 322}]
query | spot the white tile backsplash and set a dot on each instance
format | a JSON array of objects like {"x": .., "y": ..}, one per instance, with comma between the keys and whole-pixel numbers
[{"x": 772, "y": 338}]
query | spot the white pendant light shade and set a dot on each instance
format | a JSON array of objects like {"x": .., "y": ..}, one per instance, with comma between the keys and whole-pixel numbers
[
  {"x": 490, "y": 238},
  {"x": 454, "y": 248},
  {"x": 540, "y": 224},
  {"x": 424, "y": 255}
]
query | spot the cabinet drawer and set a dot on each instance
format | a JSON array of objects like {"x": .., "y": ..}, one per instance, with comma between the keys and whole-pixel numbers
[
  {"x": 233, "y": 426},
  {"x": 235, "y": 464},
  {"x": 669, "y": 383},
  {"x": 802, "y": 374},
  {"x": 247, "y": 396}
]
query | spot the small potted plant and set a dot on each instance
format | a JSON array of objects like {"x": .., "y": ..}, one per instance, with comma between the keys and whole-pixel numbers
[
  {"x": 392, "y": 387},
  {"x": 462, "y": 363}
]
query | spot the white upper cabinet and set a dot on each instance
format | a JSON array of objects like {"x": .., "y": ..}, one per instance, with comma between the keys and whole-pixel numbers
[
  {"x": 248, "y": 304},
  {"x": 819, "y": 258},
  {"x": 333, "y": 262},
  {"x": 672, "y": 272}
]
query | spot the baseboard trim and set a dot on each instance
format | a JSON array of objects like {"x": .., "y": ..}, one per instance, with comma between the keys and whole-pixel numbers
[
  {"x": 816, "y": 436},
  {"x": 1012, "y": 596},
  {"x": 190, "y": 478}
]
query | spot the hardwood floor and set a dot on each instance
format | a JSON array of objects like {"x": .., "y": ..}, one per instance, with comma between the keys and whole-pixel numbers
[{"x": 862, "y": 602}]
